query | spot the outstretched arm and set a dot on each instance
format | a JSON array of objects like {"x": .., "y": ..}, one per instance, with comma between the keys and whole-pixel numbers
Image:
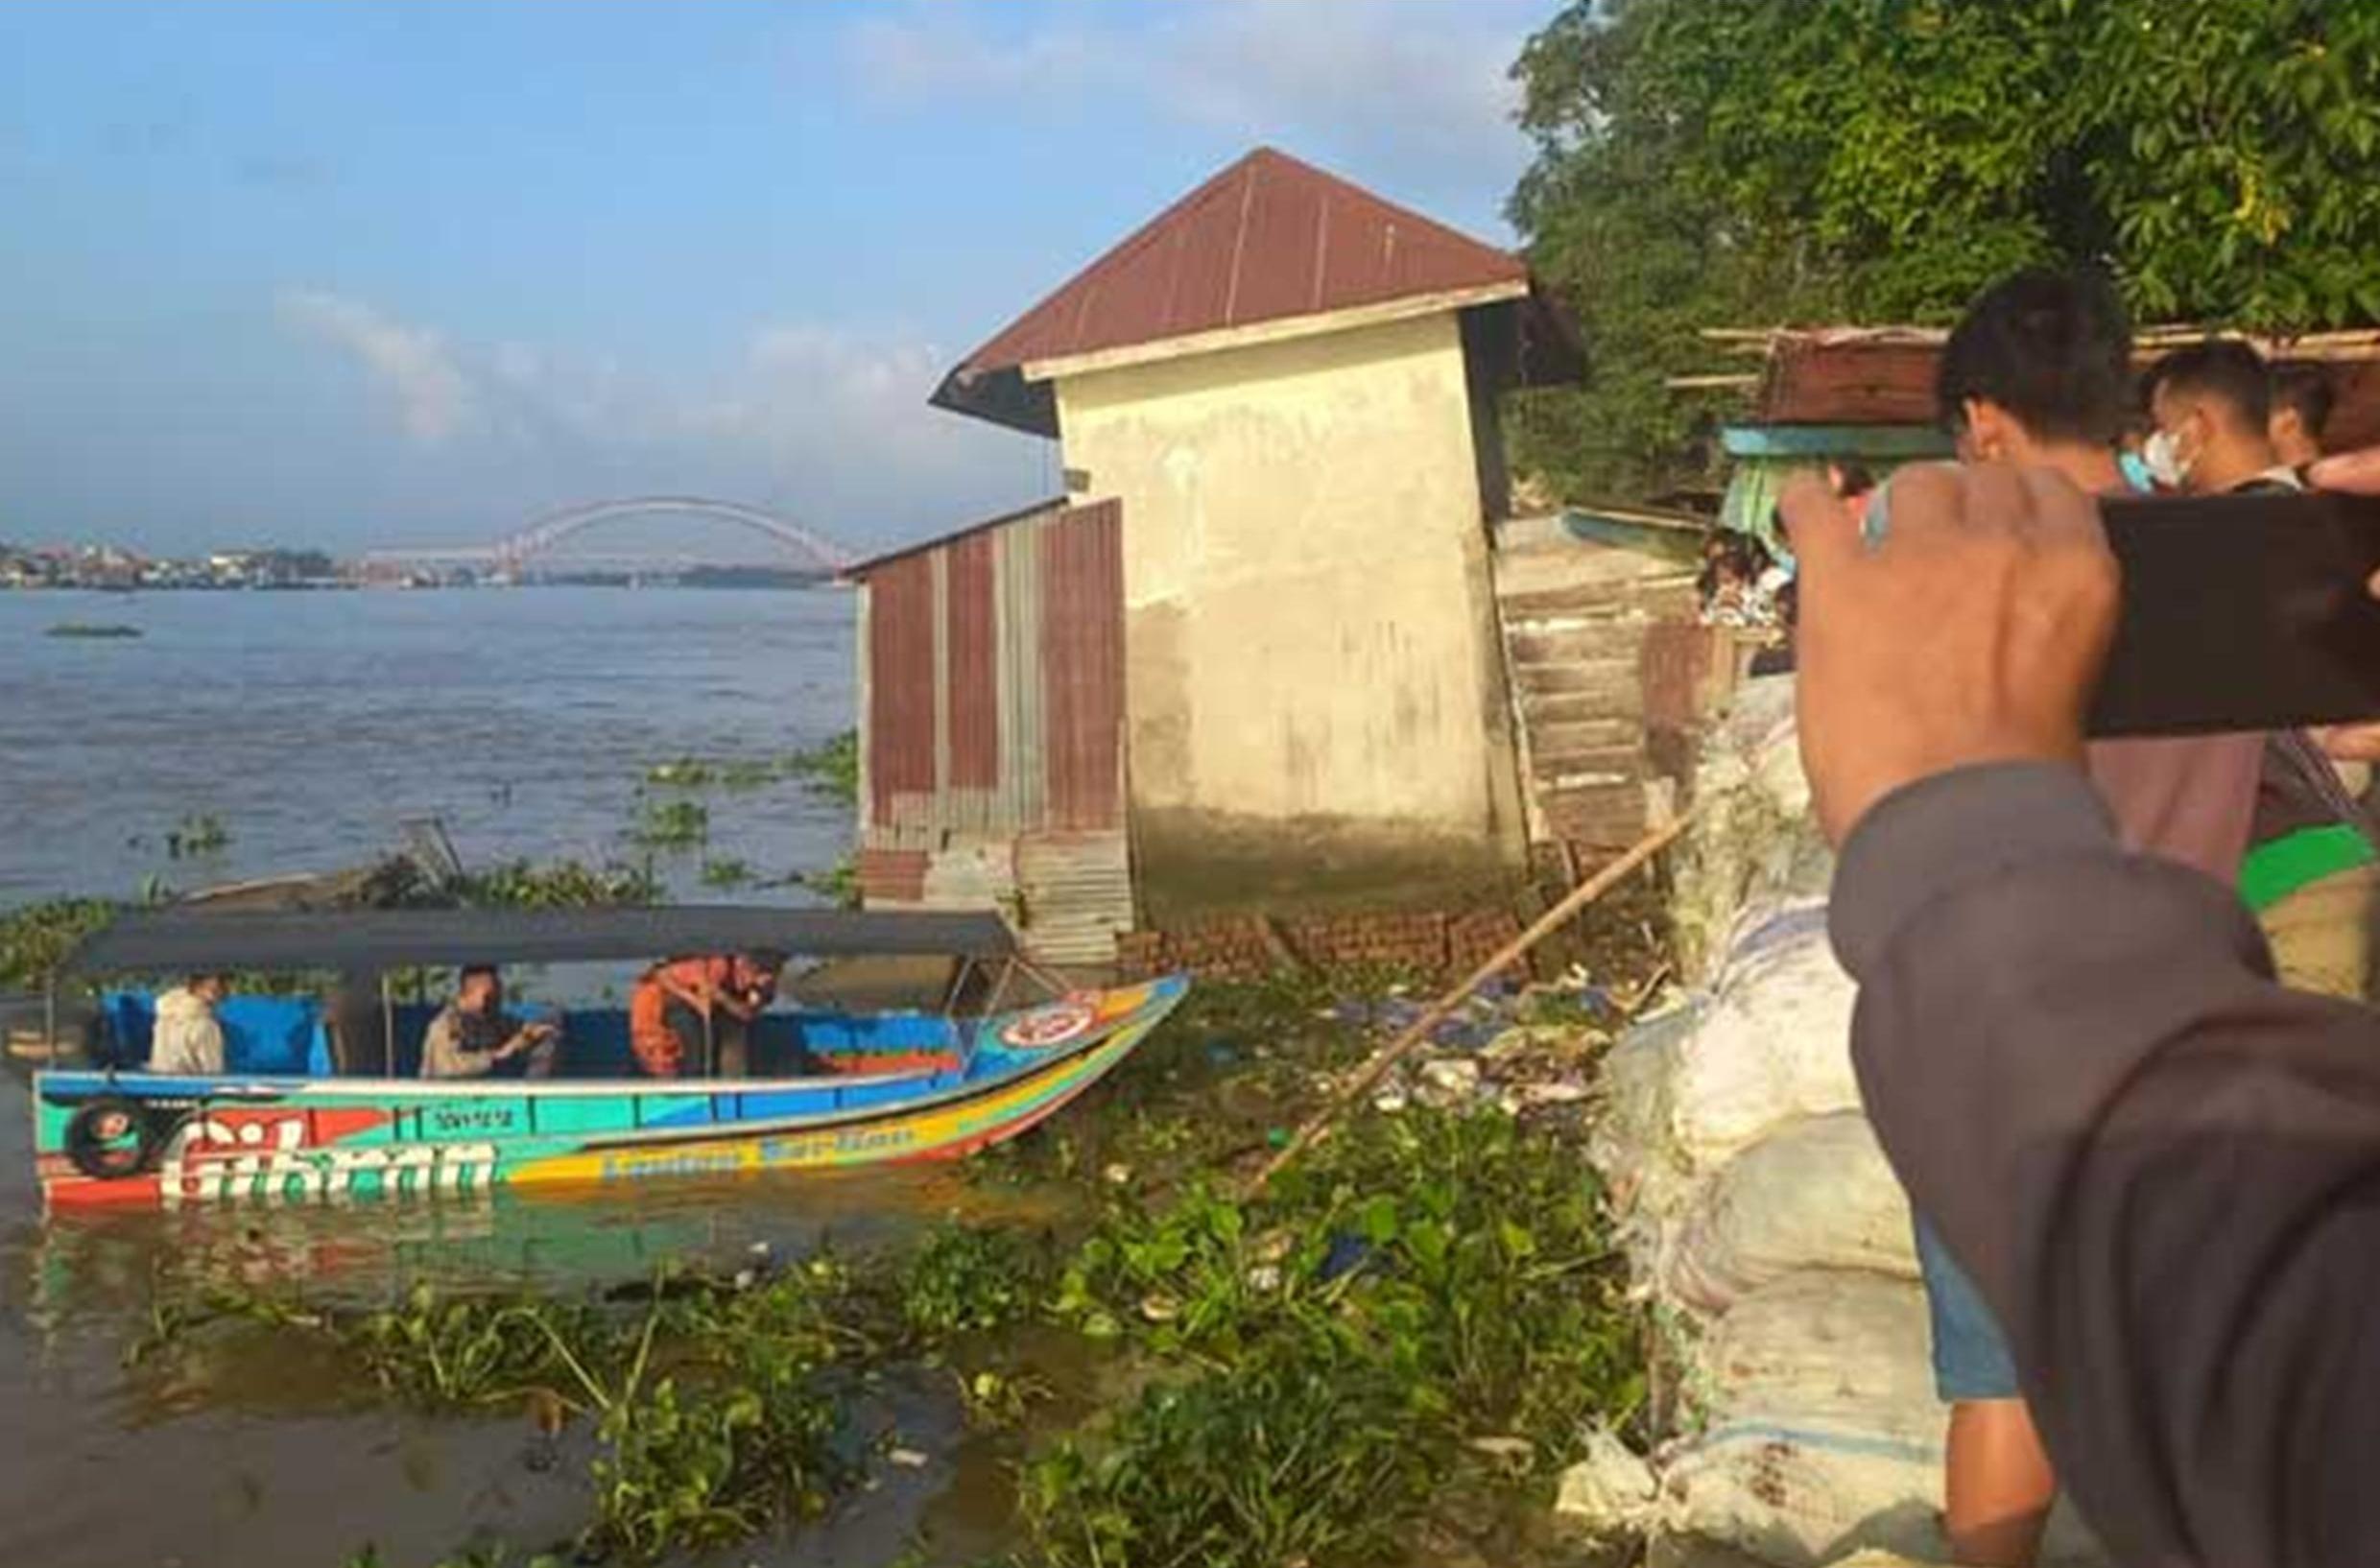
[{"x": 2162, "y": 1170}]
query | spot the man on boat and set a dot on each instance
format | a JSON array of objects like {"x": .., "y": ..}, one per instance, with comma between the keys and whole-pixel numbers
[
  {"x": 701, "y": 1007},
  {"x": 473, "y": 1037},
  {"x": 188, "y": 1042}
]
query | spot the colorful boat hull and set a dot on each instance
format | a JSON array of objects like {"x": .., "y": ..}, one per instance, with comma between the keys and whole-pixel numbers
[{"x": 135, "y": 1139}]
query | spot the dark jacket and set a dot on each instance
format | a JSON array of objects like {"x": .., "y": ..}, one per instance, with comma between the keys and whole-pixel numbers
[{"x": 2161, "y": 1169}]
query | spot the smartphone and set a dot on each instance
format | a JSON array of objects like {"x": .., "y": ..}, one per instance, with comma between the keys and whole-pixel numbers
[{"x": 2242, "y": 613}]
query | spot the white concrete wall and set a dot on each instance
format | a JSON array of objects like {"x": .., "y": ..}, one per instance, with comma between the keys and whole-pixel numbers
[{"x": 1310, "y": 634}]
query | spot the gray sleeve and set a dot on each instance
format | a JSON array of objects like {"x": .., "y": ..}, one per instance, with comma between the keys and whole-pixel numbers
[{"x": 2162, "y": 1170}]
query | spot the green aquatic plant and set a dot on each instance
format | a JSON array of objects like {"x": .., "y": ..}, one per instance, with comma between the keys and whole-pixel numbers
[
  {"x": 725, "y": 873},
  {"x": 1402, "y": 1341},
  {"x": 196, "y": 835},
  {"x": 832, "y": 768},
  {"x": 838, "y": 883},
  {"x": 35, "y": 938},
  {"x": 709, "y": 1399},
  {"x": 679, "y": 773},
  {"x": 1303, "y": 1452},
  {"x": 820, "y": 767},
  {"x": 672, "y": 824},
  {"x": 964, "y": 1279},
  {"x": 1430, "y": 1280},
  {"x": 558, "y": 884}
]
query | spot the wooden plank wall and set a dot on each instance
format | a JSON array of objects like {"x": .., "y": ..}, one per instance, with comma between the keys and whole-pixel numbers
[{"x": 1608, "y": 672}]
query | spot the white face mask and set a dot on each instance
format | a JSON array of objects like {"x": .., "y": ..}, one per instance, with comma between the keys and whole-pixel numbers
[{"x": 2162, "y": 453}]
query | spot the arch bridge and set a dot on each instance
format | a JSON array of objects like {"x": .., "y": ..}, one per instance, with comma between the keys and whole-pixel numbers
[{"x": 541, "y": 534}]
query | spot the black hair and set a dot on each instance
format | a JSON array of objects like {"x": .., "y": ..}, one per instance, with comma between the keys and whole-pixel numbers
[
  {"x": 2224, "y": 368},
  {"x": 471, "y": 971},
  {"x": 2308, "y": 389},
  {"x": 1853, "y": 481},
  {"x": 2053, "y": 348}
]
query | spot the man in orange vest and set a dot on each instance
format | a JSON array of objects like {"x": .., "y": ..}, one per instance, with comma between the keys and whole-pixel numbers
[{"x": 680, "y": 1007}]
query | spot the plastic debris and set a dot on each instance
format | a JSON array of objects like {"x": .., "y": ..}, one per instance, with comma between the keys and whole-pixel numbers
[
  {"x": 1449, "y": 1080},
  {"x": 1610, "y": 1491}
]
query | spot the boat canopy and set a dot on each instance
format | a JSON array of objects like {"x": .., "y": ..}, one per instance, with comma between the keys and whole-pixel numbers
[{"x": 362, "y": 940}]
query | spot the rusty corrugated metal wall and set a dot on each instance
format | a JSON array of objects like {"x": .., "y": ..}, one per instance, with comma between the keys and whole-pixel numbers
[
  {"x": 1082, "y": 665},
  {"x": 994, "y": 725}
]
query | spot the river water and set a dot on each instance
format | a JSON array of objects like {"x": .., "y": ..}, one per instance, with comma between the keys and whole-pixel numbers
[{"x": 311, "y": 726}]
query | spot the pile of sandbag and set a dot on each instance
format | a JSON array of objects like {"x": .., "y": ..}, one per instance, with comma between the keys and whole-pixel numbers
[{"x": 1764, "y": 1227}]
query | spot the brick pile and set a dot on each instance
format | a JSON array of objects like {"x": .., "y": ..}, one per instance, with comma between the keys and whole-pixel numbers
[{"x": 1242, "y": 947}]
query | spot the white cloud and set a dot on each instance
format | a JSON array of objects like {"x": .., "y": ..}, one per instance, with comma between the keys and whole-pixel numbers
[
  {"x": 435, "y": 399},
  {"x": 1410, "y": 81},
  {"x": 830, "y": 423}
]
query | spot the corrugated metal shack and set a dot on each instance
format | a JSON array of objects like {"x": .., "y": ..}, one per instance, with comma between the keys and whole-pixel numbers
[{"x": 992, "y": 702}]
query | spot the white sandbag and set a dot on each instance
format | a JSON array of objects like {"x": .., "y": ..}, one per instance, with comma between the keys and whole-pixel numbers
[
  {"x": 1846, "y": 1350},
  {"x": 1822, "y": 1433},
  {"x": 1647, "y": 1183},
  {"x": 1814, "y": 1193},
  {"x": 1772, "y": 1044},
  {"x": 1756, "y": 836}
]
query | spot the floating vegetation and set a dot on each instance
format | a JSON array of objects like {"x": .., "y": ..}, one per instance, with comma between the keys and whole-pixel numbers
[
  {"x": 725, "y": 873},
  {"x": 681, "y": 772},
  {"x": 1391, "y": 1354},
  {"x": 35, "y": 938},
  {"x": 717, "y": 1405},
  {"x": 672, "y": 824},
  {"x": 196, "y": 835},
  {"x": 838, "y": 883},
  {"x": 558, "y": 884},
  {"x": 97, "y": 630},
  {"x": 832, "y": 769}
]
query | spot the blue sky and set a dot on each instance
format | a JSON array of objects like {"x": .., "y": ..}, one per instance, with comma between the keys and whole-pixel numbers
[{"x": 353, "y": 274}]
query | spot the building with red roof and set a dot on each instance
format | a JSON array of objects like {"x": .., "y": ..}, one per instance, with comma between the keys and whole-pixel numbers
[{"x": 1277, "y": 407}]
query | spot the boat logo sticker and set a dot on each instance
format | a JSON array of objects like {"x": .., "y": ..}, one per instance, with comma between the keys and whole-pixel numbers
[{"x": 1045, "y": 1027}]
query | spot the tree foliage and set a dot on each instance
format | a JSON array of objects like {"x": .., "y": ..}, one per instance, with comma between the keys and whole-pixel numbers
[{"x": 1754, "y": 162}]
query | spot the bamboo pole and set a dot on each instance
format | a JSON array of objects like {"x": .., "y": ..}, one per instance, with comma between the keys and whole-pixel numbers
[{"x": 1397, "y": 1049}]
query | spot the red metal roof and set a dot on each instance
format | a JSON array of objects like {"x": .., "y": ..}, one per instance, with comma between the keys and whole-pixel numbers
[{"x": 1267, "y": 239}]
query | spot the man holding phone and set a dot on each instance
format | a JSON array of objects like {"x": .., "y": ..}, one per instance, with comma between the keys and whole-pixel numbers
[
  {"x": 2038, "y": 373},
  {"x": 473, "y": 1037}
]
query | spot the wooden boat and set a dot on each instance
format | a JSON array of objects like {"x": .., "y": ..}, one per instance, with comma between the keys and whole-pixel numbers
[{"x": 282, "y": 1124}]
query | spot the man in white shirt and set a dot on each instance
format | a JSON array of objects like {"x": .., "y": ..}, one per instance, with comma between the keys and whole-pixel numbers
[{"x": 187, "y": 1041}]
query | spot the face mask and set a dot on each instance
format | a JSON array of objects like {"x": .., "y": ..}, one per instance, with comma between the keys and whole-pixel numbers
[
  {"x": 2161, "y": 454},
  {"x": 2135, "y": 471}
]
